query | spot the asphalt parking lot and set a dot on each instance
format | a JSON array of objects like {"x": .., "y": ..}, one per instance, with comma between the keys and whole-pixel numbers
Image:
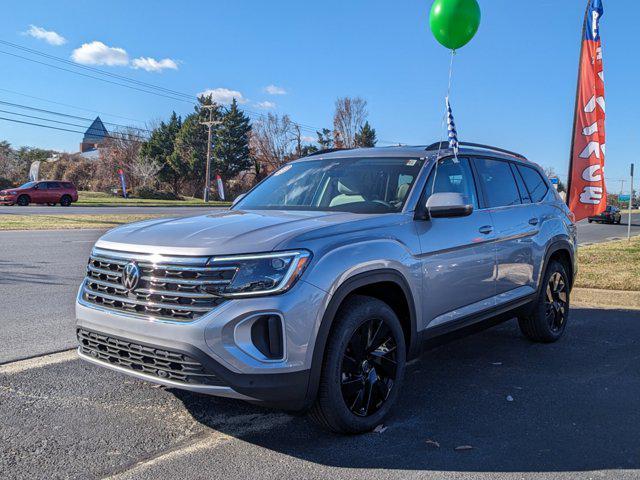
[{"x": 574, "y": 414}]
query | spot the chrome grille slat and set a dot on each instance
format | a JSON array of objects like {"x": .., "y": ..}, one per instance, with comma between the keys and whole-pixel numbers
[
  {"x": 129, "y": 300},
  {"x": 169, "y": 288},
  {"x": 184, "y": 281}
]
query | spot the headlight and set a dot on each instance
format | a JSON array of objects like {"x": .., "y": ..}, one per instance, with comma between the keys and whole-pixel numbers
[
  {"x": 260, "y": 274},
  {"x": 13, "y": 193}
]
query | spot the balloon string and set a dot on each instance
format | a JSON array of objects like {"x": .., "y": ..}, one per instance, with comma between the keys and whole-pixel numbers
[{"x": 444, "y": 119}]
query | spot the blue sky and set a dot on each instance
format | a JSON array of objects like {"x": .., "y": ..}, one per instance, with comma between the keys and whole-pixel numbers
[{"x": 514, "y": 84}]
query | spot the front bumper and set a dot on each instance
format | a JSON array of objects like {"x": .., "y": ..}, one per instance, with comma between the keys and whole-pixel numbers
[
  {"x": 7, "y": 200},
  {"x": 216, "y": 339}
]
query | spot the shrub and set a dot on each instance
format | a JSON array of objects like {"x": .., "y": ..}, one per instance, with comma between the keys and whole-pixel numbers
[
  {"x": 5, "y": 183},
  {"x": 153, "y": 194}
]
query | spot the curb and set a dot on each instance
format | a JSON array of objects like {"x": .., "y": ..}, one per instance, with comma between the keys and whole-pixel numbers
[{"x": 592, "y": 297}]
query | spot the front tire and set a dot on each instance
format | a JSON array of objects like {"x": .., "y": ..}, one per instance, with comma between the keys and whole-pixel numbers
[
  {"x": 363, "y": 367},
  {"x": 23, "y": 201},
  {"x": 547, "y": 320}
]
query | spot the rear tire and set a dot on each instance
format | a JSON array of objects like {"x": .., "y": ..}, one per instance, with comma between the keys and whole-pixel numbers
[
  {"x": 547, "y": 319},
  {"x": 362, "y": 369},
  {"x": 23, "y": 200},
  {"x": 590, "y": 221},
  {"x": 65, "y": 201}
]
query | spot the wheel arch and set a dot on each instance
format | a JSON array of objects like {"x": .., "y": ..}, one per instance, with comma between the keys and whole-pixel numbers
[
  {"x": 563, "y": 251},
  {"x": 387, "y": 285}
]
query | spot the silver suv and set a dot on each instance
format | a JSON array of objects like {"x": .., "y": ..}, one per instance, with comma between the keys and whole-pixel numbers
[{"x": 314, "y": 290}]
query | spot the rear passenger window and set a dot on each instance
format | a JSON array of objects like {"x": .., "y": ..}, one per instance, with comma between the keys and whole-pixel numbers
[
  {"x": 535, "y": 183},
  {"x": 67, "y": 185},
  {"x": 498, "y": 183}
]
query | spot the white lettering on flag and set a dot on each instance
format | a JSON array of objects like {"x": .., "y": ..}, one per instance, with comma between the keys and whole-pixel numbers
[
  {"x": 590, "y": 130},
  {"x": 591, "y": 195},
  {"x": 589, "y": 173},
  {"x": 590, "y": 149}
]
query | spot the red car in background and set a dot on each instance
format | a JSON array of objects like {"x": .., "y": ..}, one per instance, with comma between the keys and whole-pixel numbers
[{"x": 49, "y": 192}]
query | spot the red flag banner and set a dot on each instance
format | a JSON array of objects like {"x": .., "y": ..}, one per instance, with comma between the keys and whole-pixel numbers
[{"x": 587, "y": 193}]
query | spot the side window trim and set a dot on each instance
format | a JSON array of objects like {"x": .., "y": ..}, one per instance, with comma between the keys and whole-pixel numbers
[
  {"x": 520, "y": 183},
  {"x": 543, "y": 178}
]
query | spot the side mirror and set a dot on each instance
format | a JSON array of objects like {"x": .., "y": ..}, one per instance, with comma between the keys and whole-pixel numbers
[
  {"x": 448, "y": 204},
  {"x": 36, "y": 187},
  {"x": 237, "y": 199}
]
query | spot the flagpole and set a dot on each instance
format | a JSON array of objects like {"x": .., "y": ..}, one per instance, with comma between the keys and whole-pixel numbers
[{"x": 575, "y": 108}]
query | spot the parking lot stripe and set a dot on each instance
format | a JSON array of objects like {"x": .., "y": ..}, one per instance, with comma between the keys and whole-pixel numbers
[
  {"x": 238, "y": 426},
  {"x": 19, "y": 366}
]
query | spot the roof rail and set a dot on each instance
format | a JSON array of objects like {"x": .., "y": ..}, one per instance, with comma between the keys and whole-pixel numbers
[
  {"x": 328, "y": 150},
  {"x": 444, "y": 145}
]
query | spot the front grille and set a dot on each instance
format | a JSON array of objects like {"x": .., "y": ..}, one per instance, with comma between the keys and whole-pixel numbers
[
  {"x": 157, "y": 362},
  {"x": 169, "y": 288}
]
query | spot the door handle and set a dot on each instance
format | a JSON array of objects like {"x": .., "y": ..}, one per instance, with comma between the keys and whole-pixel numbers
[
  {"x": 487, "y": 229},
  {"x": 533, "y": 221}
]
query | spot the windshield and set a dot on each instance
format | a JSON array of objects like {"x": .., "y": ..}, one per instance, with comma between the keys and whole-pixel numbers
[
  {"x": 358, "y": 185},
  {"x": 27, "y": 185}
]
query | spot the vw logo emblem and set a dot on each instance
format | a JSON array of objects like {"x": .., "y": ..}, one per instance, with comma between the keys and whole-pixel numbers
[{"x": 130, "y": 275}]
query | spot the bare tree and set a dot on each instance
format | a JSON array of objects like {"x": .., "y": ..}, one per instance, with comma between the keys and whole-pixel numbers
[
  {"x": 120, "y": 151},
  {"x": 145, "y": 171},
  {"x": 273, "y": 143},
  {"x": 348, "y": 119}
]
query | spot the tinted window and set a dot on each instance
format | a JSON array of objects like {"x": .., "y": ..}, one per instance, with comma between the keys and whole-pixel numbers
[
  {"x": 53, "y": 185},
  {"x": 42, "y": 186},
  {"x": 535, "y": 183},
  {"x": 452, "y": 176},
  {"x": 524, "y": 193},
  {"x": 498, "y": 183},
  {"x": 67, "y": 185}
]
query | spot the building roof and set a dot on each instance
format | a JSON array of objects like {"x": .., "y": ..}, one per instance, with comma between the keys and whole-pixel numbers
[{"x": 96, "y": 132}]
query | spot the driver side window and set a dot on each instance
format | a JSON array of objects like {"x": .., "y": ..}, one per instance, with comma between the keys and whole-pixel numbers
[{"x": 452, "y": 175}]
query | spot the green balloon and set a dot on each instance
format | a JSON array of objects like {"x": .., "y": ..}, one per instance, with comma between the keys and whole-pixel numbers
[{"x": 454, "y": 22}]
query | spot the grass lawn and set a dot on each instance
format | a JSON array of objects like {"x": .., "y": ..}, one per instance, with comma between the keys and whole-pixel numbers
[
  {"x": 101, "y": 199},
  {"x": 610, "y": 265},
  {"x": 54, "y": 222}
]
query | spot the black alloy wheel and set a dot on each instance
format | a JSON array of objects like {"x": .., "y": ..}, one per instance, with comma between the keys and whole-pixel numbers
[
  {"x": 369, "y": 368},
  {"x": 363, "y": 367},
  {"x": 65, "y": 201},
  {"x": 546, "y": 319},
  {"x": 23, "y": 200},
  {"x": 556, "y": 302}
]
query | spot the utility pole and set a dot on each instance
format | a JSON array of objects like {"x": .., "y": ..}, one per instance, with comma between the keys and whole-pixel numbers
[
  {"x": 209, "y": 124},
  {"x": 630, "y": 206}
]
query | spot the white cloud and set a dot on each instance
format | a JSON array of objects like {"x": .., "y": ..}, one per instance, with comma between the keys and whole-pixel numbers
[
  {"x": 97, "y": 53},
  {"x": 266, "y": 105},
  {"x": 49, "y": 36},
  {"x": 223, "y": 95},
  {"x": 275, "y": 90},
  {"x": 152, "y": 65},
  {"x": 309, "y": 139}
]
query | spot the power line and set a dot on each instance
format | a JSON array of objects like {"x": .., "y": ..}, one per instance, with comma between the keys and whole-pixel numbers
[
  {"x": 159, "y": 91},
  {"x": 138, "y": 137},
  {"x": 52, "y": 112},
  {"x": 13, "y": 120},
  {"x": 71, "y": 106}
]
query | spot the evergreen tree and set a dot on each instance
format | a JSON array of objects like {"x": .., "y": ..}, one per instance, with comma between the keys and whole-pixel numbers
[
  {"x": 325, "y": 139},
  {"x": 231, "y": 147},
  {"x": 160, "y": 148},
  {"x": 366, "y": 137}
]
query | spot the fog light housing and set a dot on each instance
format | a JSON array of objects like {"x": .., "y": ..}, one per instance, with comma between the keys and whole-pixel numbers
[{"x": 267, "y": 336}]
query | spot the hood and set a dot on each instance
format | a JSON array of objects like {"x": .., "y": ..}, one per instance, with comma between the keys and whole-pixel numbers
[{"x": 223, "y": 233}]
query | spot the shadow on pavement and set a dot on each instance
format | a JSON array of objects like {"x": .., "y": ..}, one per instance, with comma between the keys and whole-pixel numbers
[{"x": 575, "y": 406}]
